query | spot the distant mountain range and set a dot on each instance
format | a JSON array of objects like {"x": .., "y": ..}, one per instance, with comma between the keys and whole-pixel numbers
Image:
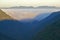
[
  {"x": 47, "y": 7},
  {"x": 34, "y": 7}
]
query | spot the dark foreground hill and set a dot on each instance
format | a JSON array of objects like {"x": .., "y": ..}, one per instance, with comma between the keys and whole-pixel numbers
[
  {"x": 46, "y": 29},
  {"x": 3, "y": 15},
  {"x": 51, "y": 28}
]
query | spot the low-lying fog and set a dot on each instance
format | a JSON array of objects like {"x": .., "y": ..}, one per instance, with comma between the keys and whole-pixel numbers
[{"x": 20, "y": 14}]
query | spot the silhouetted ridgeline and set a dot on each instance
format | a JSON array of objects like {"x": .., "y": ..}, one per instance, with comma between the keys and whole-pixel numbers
[
  {"x": 46, "y": 29},
  {"x": 34, "y": 7},
  {"x": 3, "y": 15}
]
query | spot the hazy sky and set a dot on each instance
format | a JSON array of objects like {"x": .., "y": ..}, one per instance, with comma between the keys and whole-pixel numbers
[{"x": 9, "y": 3}]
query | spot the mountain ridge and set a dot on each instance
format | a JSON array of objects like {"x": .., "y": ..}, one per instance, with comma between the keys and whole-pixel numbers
[
  {"x": 34, "y": 7},
  {"x": 3, "y": 15}
]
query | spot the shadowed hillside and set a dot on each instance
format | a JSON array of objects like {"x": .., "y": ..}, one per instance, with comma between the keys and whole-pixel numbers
[
  {"x": 12, "y": 29},
  {"x": 47, "y": 29},
  {"x": 3, "y": 15},
  {"x": 4, "y": 37},
  {"x": 51, "y": 29}
]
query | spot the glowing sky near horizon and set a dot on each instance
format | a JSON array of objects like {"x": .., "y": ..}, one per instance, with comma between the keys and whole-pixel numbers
[{"x": 10, "y": 3}]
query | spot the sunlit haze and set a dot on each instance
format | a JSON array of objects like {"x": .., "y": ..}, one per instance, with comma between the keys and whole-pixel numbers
[{"x": 10, "y": 3}]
